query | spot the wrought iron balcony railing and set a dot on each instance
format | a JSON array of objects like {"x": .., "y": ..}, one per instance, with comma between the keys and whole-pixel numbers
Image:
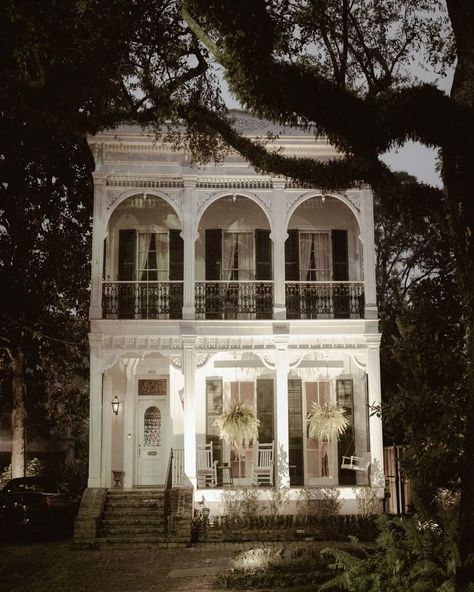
[
  {"x": 233, "y": 300},
  {"x": 324, "y": 300},
  {"x": 142, "y": 300}
]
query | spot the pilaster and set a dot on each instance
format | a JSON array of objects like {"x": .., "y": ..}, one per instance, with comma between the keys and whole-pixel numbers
[{"x": 108, "y": 420}]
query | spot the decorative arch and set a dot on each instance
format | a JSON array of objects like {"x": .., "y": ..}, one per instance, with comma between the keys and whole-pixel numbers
[
  {"x": 115, "y": 198},
  {"x": 263, "y": 200},
  {"x": 310, "y": 194}
]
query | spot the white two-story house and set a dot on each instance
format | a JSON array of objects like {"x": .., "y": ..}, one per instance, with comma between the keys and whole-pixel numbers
[{"x": 213, "y": 284}]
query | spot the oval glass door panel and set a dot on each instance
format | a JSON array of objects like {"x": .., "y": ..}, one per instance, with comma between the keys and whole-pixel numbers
[{"x": 152, "y": 428}]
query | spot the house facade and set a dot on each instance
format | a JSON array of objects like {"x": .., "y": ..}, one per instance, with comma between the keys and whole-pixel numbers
[{"x": 213, "y": 285}]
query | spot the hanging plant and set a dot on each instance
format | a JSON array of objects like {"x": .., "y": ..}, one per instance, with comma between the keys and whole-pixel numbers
[
  {"x": 327, "y": 421},
  {"x": 237, "y": 425}
]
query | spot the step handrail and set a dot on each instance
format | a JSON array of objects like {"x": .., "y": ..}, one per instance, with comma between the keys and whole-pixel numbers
[{"x": 168, "y": 514}]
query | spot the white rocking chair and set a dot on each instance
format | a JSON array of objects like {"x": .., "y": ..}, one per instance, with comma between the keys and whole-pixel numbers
[
  {"x": 262, "y": 466},
  {"x": 357, "y": 463},
  {"x": 206, "y": 466}
]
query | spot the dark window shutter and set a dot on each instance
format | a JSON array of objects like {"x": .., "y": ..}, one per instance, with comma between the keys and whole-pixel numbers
[
  {"x": 265, "y": 410},
  {"x": 176, "y": 246},
  {"x": 340, "y": 266},
  {"x": 104, "y": 261},
  {"x": 345, "y": 443},
  {"x": 213, "y": 253},
  {"x": 292, "y": 256},
  {"x": 263, "y": 252},
  {"x": 127, "y": 254}
]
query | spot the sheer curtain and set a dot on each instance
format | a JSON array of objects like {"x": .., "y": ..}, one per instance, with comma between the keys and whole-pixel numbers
[
  {"x": 144, "y": 241},
  {"x": 161, "y": 245},
  {"x": 306, "y": 241},
  {"x": 245, "y": 256},
  {"x": 230, "y": 248},
  {"x": 321, "y": 256}
]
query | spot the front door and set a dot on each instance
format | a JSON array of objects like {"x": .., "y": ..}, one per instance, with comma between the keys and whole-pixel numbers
[{"x": 153, "y": 448}]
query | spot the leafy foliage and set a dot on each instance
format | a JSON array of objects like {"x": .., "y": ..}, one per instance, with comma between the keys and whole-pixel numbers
[
  {"x": 410, "y": 555},
  {"x": 327, "y": 421},
  {"x": 238, "y": 425}
]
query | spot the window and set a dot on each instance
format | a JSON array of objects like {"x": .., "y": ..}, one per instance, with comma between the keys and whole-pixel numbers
[
  {"x": 238, "y": 256},
  {"x": 152, "y": 259},
  {"x": 314, "y": 257}
]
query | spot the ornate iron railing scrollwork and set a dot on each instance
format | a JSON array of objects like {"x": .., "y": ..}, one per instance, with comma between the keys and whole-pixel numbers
[
  {"x": 233, "y": 299},
  {"x": 324, "y": 300},
  {"x": 142, "y": 300}
]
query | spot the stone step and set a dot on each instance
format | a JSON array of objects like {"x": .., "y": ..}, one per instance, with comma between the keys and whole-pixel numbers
[
  {"x": 131, "y": 511},
  {"x": 134, "y": 531},
  {"x": 144, "y": 503},
  {"x": 135, "y": 492},
  {"x": 132, "y": 520}
]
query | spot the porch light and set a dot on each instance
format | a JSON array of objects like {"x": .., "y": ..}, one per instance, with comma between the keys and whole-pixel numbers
[{"x": 115, "y": 405}]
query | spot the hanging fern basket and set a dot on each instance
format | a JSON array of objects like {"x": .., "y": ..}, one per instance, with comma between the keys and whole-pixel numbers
[
  {"x": 238, "y": 425},
  {"x": 327, "y": 421}
]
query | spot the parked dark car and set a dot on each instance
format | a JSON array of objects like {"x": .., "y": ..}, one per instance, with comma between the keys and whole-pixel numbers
[{"x": 36, "y": 506}]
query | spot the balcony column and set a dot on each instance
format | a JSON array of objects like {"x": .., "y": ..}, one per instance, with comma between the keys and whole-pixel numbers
[
  {"x": 189, "y": 237},
  {"x": 279, "y": 235},
  {"x": 282, "y": 448},
  {"x": 95, "y": 413},
  {"x": 375, "y": 423},
  {"x": 368, "y": 252},
  {"x": 130, "y": 437},
  {"x": 98, "y": 236},
  {"x": 189, "y": 373}
]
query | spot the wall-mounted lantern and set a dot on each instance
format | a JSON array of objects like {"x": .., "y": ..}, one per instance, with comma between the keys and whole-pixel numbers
[{"x": 115, "y": 405}]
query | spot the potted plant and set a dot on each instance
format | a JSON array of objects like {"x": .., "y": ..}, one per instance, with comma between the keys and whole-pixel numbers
[
  {"x": 327, "y": 421},
  {"x": 237, "y": 425}
]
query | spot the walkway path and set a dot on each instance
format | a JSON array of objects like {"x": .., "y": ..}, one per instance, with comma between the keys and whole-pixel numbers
[{"x": 55, "y": 567}]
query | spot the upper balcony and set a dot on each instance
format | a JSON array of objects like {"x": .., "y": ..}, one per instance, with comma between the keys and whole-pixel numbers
[{"x": 235, "y": 260}]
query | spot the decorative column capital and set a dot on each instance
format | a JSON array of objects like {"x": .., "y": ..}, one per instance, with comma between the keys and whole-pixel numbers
[
  {"x": 99, "y": 178},
  {"x": 189, "y": 181}
]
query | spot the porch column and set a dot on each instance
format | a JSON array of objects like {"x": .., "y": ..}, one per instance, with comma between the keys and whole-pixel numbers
[
  {"x": 130, "y": 437},
  {"x": 279, "y": 236},
  {"x": 368, "y": 252},
  {"x": 108, "y": 418},
  {"x": 189, "y": 373},
  {"x": 189, "y": 237},
  {"x": 98, "y": 236},
  {"x": 95, "y": 413},
  {"x": 281, "y": 411},
  {"x": 375, "y": 423}
]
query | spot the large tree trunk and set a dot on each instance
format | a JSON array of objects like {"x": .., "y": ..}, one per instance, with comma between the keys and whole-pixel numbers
[{"x": 18, "y": 414}]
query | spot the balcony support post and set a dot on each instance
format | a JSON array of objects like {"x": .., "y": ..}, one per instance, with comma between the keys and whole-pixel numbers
[
  {"x": 375, "y": 422},
  {"x": 95, "y": 413},
  {"x": 368, "y": 252},
  {"x": 279, "y": 235},
  {"x": 189, "y": 372},
  {"x": 189, "y": 237},
  {"x": 282, "y": 447},
  {"x": 98, "y": 236}
]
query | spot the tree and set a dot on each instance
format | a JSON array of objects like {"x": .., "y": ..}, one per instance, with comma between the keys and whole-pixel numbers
[
  {"x": 423, "y": 354},
  {"x": 342, "y": 66},
  {"x": 68, "y": 68}
]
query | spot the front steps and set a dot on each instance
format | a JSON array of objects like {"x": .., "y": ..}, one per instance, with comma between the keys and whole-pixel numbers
[{"x": 135, "y": 519}]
